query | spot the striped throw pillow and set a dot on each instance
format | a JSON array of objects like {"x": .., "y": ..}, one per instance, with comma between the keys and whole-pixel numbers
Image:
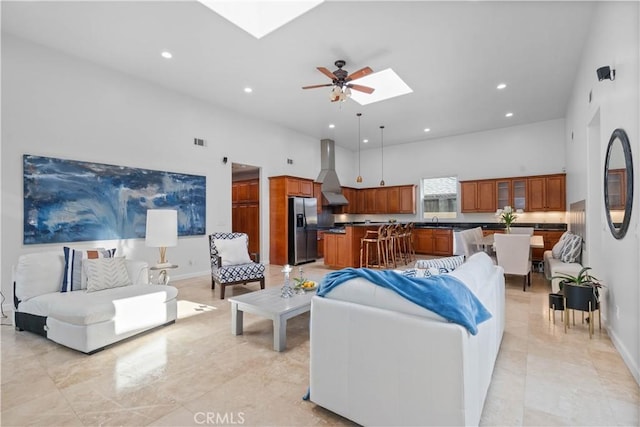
[
  {"x": 106, "y": 273},
  {"x": 74, "y": 278},
  {"x": 444, "y": 265}
]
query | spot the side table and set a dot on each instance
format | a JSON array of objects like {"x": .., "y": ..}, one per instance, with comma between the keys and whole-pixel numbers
[{"x": 163, "y": 277}]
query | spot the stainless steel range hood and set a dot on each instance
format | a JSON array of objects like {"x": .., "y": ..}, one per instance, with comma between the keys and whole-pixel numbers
[{"x": 328, "y": 177}]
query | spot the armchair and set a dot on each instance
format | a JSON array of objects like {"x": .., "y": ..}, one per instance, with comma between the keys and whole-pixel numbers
[{"x": 231, "y": 263}]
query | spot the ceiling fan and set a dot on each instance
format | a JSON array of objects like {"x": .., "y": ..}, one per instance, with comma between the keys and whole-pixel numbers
[{"x": 341, "y": 81}]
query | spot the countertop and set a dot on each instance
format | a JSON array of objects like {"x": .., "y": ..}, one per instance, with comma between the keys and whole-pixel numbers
[{"x": 459, "y": 226}]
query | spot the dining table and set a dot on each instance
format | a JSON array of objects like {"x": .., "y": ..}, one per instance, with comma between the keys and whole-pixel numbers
[{"x": 537, "y": 242}]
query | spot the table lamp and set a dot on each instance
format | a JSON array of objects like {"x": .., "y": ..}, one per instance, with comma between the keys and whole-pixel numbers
[{"x": 162, "y": 232}]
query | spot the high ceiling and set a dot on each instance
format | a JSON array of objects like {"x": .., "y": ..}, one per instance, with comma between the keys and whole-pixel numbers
[{"x": 452, "y": 54}]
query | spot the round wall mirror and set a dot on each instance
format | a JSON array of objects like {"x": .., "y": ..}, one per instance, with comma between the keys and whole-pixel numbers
[{"x": 618, "y": 183}]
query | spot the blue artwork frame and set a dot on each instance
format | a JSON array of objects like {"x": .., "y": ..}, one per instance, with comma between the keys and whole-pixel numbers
[{"x": 74, "y": 201}]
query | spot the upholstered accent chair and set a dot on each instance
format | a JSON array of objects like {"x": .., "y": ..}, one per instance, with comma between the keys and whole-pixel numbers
[{"x": 231, "y": 263}]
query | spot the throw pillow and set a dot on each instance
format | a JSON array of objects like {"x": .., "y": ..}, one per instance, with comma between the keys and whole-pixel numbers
[
  {"x": 571, "y": 248},
  {"x": 448, "y": 263},
  {"x": 233, "y": 251},
  {"x": 73, "y": 278},
  {"x": 557, "y": 248},
  {"x": 106, "y": 273},
  {"x": 416, "y": 272}
]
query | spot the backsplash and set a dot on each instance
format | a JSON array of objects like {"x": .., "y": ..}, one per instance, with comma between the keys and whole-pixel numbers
[{"x": 525, "y": 217}]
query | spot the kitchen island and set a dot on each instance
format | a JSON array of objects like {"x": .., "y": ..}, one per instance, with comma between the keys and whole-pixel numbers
[
  {"x": 342, "y": 247},
  {"x": 342, "y": 243}
]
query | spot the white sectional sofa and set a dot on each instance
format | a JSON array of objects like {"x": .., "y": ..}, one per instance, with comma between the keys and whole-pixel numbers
[
  {"x": 87, "y": 321},
  {"x": 379, "y": 359}
]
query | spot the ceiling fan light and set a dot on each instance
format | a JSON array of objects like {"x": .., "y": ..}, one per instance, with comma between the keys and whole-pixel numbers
[{"x": 347, "y": 91}]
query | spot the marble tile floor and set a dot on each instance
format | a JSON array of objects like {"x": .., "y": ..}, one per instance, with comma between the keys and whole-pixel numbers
[{"x": 196, "y": 373}]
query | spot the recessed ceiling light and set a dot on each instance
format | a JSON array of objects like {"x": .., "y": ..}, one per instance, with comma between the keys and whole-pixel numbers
[
  {"x": 427, "y": 129},
  {"x": 365, "y": 140},
  {"x": 509, "y": 115},
  {"x": 501, "y": 86},
  {"x": 248, "y": 90},
  {"x": 331, "y": 126},
  {"x": 166, "y": 54}
]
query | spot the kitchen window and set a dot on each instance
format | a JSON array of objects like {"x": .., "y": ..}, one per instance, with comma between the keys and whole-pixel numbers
[{"x": 440, "y": 197}]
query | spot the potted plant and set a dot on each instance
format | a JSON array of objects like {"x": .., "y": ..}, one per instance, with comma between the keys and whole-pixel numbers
[{"x": 580, "y": 292}]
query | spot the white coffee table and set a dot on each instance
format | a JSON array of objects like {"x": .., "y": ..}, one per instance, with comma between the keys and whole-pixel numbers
[{"x": 268, "y": 303}]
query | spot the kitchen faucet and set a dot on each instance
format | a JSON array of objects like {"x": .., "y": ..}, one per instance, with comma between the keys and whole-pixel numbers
[{"x": 437, "y": 220}]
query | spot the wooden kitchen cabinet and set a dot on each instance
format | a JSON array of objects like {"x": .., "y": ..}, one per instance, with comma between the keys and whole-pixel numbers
[
  {"x": 478, "y": 196},
  {"x": 550, "y": 238},
  {"x": 616, "y": 188},
  {"x": 407, "y": 199},
  {"x": 352, "y": 208},
  {"x": 320, "y": 248},
  {"x": 280, "y": 189},
  {"x": 245, "y": 211},
  {"x": 530, "y": 193},
  {"x": 546, "y": 193},
  {"x": 423, "y": 240},
  {"x": 442, "y": 242},
  {"x": 336, "y": 250},
  {"x": 317, "y": 193},
  {"x": 433, "y": 241},
  {"x": 511, "y": 192},
  {"x": 383, "y": 200},
  {"x": 299, "y": 187}
]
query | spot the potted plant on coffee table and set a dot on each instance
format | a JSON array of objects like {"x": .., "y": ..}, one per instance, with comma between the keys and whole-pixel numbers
[{"x": 581, "y": 293}]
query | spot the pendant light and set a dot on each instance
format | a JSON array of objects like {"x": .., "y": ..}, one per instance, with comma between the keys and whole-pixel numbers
[
  {"x": 382, "y": 155},
  {"x": 359, "y": 178}
]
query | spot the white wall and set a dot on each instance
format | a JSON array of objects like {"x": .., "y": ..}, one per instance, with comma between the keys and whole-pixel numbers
[
  {"x": 613, "y": 40},
  {"x": 59, "y": 106},
  {"x": 533, "y": 149}
]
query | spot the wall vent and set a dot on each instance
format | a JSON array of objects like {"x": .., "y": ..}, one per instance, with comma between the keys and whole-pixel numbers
[{"x": 199, "y": 142}]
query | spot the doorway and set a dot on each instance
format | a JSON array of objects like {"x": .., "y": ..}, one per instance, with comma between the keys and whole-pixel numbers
[{"x": 245, "y": 203}]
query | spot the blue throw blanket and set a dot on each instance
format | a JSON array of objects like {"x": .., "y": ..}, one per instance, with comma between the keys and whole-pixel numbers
[{"x": 443, "y": 294}]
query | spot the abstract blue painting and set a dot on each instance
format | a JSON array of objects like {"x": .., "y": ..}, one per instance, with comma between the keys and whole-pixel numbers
[{"x": 72, "y": 201}]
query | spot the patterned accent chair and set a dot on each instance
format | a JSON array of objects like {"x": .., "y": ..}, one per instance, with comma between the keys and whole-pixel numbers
[{"x": 226, "y": 275}]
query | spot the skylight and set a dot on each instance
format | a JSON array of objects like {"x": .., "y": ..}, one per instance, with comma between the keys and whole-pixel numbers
[
  {"x": 387, "y": 84},
  {"x": 259, "y": 18}
]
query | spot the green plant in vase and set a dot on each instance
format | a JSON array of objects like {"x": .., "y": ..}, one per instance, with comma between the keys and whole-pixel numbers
[{"x": 507, "y": 217}]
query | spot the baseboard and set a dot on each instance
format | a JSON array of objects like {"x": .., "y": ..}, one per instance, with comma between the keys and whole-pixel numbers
[
  {"x": 624, "y": 353},
  {"x": 190, "y": 275}
]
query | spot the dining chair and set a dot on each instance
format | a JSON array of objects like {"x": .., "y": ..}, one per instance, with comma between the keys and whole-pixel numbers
[
  {"x": 513, "y": 253},
  {"x": 522, "y": 230}
]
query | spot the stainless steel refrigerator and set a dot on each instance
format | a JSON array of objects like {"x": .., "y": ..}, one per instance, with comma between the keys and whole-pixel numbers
[{"x": 303, "y": 230}]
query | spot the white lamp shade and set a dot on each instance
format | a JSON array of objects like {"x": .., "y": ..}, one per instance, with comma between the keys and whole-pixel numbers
[{"x": 162, "y": 228}]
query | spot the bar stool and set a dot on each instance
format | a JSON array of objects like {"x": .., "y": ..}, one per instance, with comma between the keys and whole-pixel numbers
[
  {"x": 408, "y": 238},
  {"x": 380, "y": 242},
  {"x": 399, "y": 243}
]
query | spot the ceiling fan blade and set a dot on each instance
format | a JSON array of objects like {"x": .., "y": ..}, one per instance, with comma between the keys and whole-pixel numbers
[
  {"x": 358, "y": 74},
  {"x": 360, "y": 88},
  {"x": 315, "y": 86},
  {"x": 327, "y": 73},
  {"x": 335, "y": 98}
]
